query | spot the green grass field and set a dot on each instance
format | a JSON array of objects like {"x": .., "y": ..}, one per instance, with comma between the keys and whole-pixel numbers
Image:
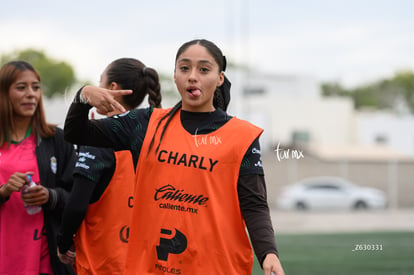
[{"x": 332, "y": 254}]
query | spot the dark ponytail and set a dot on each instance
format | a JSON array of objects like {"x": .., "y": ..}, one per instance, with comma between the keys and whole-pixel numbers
[
  {"x": 221, "y": 97},
  {"x": 132, "y": 74},
  {"x": 152, "y": 81}
]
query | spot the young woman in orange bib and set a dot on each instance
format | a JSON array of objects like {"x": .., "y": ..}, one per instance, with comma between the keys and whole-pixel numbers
[
  {"x": 199, "y": 182},
  {"x": 100, "y": 205}
]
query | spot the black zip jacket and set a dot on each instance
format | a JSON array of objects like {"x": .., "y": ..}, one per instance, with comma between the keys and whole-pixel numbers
[{"x": 56, "y": 160}]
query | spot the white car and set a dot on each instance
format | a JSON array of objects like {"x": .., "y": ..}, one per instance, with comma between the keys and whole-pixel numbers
[{"x": 329, "y": 193}]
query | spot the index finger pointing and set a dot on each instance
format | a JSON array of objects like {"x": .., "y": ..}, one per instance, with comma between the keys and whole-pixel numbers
[
  {"x": 121, "y": 92},
  {"x": 115, "y": 103}
]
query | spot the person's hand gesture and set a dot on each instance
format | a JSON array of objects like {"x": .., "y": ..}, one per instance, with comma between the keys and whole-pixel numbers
[
  {"x": 14, "y": 184},
  {"x": 68, "y": 257},
  {"x": 103, "y": 99},
  {"x": 272, "y": 265},
  {"x": 36, "y": 195}
]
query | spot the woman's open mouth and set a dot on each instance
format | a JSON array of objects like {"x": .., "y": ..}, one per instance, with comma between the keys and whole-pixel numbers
[{"x": 194, "y": 91}]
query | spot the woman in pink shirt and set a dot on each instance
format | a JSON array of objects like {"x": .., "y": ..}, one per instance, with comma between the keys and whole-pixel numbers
[{"x": 30, "y": 148}]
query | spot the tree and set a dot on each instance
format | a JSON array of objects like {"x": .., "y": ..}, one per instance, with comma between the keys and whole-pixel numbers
[
  {"x": 333, "y": 89},
  {"x": 56, "y": 76},
  {"x": 404, "y": 80},
  {"x": 395, "y": 93}
]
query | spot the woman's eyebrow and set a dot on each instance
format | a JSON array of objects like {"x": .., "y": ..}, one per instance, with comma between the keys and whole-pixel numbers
[
  {"x": 200, "y": 61},
  {"x": 205, "y": 62},
  {"x": 24, "y": 82},
  {"x": 183, "y": 60}
]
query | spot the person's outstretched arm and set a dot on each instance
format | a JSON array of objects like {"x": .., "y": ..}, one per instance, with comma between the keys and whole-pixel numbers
[{"x": 78, "y": 128}]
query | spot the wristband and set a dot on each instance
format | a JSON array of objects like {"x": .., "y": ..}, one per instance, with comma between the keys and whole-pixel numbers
[{"x": 82, "y": 99}]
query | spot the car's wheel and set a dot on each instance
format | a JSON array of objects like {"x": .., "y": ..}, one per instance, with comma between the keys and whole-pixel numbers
[
  {"x": 360, "y": 205},
  {"x": 301, "y": 206}
]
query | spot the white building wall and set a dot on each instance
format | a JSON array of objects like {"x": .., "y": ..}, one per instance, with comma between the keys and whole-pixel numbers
[
  {"x": 272, "y": 85},
  {"x": 56, "y": 109},
  {"x": 327, "y": 121},
  {"x": 285, "y": 104},
  {"x": 396, "y": 131}
]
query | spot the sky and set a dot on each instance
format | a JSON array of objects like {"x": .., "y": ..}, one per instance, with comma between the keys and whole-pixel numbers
[{"x": 351, "y": 42}]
